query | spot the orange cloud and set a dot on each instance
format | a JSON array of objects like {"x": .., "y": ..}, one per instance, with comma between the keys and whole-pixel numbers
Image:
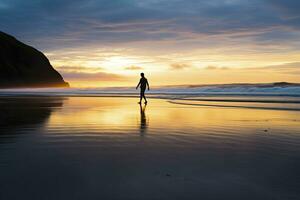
[
  {"x": 211, "y": 67},
  {"x": 133, "y": 68},
  {"x": 178, "y": 66}
]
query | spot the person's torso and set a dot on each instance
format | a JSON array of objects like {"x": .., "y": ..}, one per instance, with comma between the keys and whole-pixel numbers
[{"x": 143, "y": 82}]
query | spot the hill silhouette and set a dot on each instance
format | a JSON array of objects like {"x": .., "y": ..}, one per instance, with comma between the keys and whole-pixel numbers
[{"x": 24, "y": 66}]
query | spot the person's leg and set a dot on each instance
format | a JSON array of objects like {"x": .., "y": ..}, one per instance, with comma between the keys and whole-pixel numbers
[
  {"x": 145, "y": 98},
  {"x": 142, "y": 94},
  {"x": 141, "y": 97}
]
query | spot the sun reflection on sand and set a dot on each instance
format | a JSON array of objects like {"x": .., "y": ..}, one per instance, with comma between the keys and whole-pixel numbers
[{"x": 103, "y": 113}]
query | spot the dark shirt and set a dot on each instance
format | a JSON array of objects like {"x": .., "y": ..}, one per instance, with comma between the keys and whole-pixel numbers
[{"x": 143, "y": 83}]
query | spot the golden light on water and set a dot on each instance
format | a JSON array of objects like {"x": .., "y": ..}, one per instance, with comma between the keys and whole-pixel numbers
[{"x": 112, "y": 114}]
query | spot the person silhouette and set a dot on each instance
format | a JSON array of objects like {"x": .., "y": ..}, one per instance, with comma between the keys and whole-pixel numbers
[{"x": 143, "y": 84}]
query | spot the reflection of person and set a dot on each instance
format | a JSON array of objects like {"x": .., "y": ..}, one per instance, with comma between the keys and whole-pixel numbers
[
  {"x": 143, "y": 124},
  {"x": 143, "y": 84}
]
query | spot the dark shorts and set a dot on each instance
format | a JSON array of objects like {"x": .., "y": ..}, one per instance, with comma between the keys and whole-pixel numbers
[{"x": 143, "y": 90}]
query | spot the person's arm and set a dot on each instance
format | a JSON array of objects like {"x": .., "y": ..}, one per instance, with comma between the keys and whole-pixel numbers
[
  {"x": 148, "y": 85},
  {"x": 138, "y": 85}
]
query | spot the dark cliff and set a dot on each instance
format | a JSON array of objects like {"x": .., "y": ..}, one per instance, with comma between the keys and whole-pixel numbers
[{"x": 24, "y": 66}]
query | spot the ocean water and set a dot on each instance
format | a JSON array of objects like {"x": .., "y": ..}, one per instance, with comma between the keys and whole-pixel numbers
[
  {"x": 219, "y": 90},
  {"x": 103, "y": 145}
]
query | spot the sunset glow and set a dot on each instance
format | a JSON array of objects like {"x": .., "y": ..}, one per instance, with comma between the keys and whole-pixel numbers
[{"x": 108, "y": 43}]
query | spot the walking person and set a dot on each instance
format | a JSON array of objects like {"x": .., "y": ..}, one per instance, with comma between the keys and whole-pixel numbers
[{"x": 143, "y": 84}]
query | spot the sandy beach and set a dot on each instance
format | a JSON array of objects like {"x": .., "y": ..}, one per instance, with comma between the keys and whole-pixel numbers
[{"x": 111, "y": 148}]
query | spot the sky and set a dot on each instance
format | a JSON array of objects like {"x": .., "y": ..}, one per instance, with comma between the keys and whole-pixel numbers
[{"x": 102, "y": 43}]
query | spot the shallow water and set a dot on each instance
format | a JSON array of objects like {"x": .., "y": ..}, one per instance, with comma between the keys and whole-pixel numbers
[{"x": 111, "y": 148}]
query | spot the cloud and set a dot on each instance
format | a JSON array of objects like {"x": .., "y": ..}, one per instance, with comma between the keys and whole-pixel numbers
[
  {"x": 211, "y": 67},
  {"x": 286, "y": 68},
  {"x": 133, "y": 68},
  {"x": 179, "y": 66},
  {"x": 72, "y": 23},
  {"x": 287, "y": 8},
  {"x": 79, "y": 69},
  {"x": 99, "y": 76}
]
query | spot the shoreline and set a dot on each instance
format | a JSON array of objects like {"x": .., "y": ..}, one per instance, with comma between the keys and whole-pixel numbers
[{"x": 229, "y": 102}]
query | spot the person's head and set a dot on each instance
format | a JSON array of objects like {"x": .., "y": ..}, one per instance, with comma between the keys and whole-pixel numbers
[{"x": 142, "y": 74}]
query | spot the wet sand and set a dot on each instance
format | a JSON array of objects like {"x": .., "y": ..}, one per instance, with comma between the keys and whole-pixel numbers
[{"x": 111, "y": 148}]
